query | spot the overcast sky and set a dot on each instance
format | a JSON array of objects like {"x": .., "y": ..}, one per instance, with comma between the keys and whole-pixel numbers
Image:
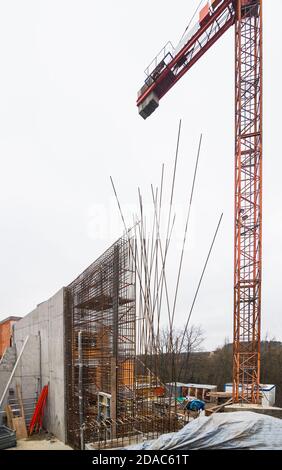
[{"x": 70, "y": 71}]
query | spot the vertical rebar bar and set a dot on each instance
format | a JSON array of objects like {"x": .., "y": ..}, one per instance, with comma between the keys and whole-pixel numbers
[{"x": 80, "y": 390}]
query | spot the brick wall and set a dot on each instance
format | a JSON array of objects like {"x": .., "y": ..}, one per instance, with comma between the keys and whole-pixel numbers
[{"x": 5, "y": 335}]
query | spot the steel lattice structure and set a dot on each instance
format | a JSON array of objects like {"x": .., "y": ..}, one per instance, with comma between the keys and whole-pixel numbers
[
  {"x": 248, "y": 202},
  {"x": 100, "y": 372},
  {"x": 216, "y": 17},
  {"x": 113, "y": 391}
]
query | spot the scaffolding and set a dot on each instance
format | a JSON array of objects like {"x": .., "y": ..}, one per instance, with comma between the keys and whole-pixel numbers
[
  {"x": 100, "y": 347},
  {"x": 112, "y": 397}
]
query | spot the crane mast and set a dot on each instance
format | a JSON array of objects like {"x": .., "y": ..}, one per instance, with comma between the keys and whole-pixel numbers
[
  {"x": 163, "y": 73},
  {"x": 248, "y": 201}
]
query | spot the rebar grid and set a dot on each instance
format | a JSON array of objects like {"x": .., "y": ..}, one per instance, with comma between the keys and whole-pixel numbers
[
  {"x": 119, "y": 399},
  {"x": 101, "y": 305}
]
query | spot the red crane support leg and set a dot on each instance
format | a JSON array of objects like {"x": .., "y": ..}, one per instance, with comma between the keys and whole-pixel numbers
[{"x": 248, "y": 201}]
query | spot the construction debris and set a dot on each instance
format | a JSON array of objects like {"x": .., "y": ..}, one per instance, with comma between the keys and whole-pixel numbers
[
  {"x": 241, "y": 430},
  {"x": 20, "y": 427},
  {"x": 17, "y": 422},
  {"x": 7, "y": 438}
]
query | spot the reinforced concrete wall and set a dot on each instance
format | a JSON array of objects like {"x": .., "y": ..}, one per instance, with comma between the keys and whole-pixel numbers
[{"x": 43, "y": 361}]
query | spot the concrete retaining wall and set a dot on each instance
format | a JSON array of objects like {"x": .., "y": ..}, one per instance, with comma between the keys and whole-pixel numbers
[{"x": 43, "y": 360}]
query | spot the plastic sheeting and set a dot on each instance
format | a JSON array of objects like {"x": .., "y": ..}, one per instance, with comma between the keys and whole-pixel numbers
[{"x": 237, "y": 430}]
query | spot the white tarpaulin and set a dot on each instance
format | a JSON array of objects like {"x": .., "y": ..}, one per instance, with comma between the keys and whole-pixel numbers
[{"x": 237, "y": 430}]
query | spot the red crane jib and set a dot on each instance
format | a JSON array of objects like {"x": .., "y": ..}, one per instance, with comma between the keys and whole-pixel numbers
[{"x": 167, "y": 68}]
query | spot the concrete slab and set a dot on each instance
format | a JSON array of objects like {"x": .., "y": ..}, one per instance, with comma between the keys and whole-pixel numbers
[{"x": 273, "y": 411}]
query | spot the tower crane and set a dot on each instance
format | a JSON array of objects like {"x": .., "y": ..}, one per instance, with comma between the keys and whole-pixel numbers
[{"x": 216, "y": 17}]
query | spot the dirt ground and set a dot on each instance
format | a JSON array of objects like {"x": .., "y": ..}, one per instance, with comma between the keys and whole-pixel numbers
[{"x": 41, "y": 442}]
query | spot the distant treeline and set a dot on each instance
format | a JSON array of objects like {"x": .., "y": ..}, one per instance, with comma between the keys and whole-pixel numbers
[{"x": 216, "y": 367}]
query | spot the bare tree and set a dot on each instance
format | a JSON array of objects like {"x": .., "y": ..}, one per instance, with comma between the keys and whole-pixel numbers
[{"x": 175, "y": 349}]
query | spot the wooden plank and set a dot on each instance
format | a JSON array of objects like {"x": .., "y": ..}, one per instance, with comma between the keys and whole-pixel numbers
[
  {"x": 10, "y": 415},
  {"x": 219, "y": 394},
  {"x": 217, "y": 408},
  {"x": 20, "y": 427}
]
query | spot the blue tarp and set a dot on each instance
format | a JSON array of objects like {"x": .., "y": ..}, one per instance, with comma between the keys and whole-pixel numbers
[{"x": 195, "y": 405}]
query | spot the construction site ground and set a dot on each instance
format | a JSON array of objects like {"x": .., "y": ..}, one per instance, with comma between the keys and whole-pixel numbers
[{"x": 41, "y": 442}]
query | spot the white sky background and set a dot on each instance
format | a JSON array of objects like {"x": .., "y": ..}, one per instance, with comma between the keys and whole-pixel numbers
[{"x": 70, "y": 71}]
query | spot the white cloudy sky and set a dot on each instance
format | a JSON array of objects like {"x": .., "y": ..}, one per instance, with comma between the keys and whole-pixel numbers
[{"x": 70, "y": 71}]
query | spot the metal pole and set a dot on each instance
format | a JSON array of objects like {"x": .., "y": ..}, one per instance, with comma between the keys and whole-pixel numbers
[
  {"x": 40, "y": 362},
  {"x": 80, "y": 390},
  {"x": 114, "y": 359}
]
